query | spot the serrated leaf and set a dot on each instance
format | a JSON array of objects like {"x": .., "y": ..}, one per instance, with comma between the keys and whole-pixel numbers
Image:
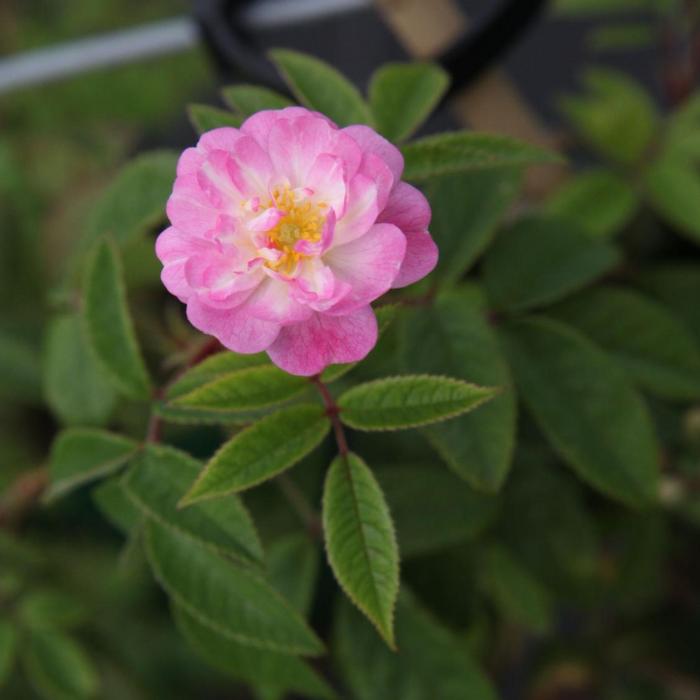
[
  {"x": 586, "y": 407},
  {"x": 112, "y": 501},
  {"x": 465, "y": 151},
  {"x": 599, "y": 200},
  {"x": 542, "y": 259},
  {"x": 75, "y": 386},
  {"x": 673, "y": 188},
  {"x": 282, "y": 671},
  {"x": 453, "y": 336},
  {"x": 8, "y": 643},
  {"x": 518, "y": 594},
  {"x": 321, "y": 87},
  {"x": 245, "y": 390},
  {"x": 432, "y": 508},
  {"x": 466, "y": 211},
  {"x": 408, "y": 402},
  {"x": 229, "y": 599},
  {"x": 431, "y": 662},
  {"x": 80, "y": 455},
  {"x": 135, "y": 201},
  {"x": 156, "y": 481},
  {"x": 249, "y": 99},
  {"x": 615, "y": 115},
  {"x": 652, "y": 346},
  {"x": 58, "y": 667},
  {"x": 205, "y": 118},
  {"x": 109, "y": 327},
  {"x": 261, "y": 451},
  {"x": 360, "y": 541},
  {"x": 402, "y": 96}
]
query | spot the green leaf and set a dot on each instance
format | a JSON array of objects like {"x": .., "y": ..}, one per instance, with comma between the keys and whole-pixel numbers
[
  {"x": 81, "y": 455},
  {"x": 431, "y": 661},
  {"x": 466, "y": 211},
  {"x": 20, "y": 369},
  {"x": 453, "y": 336},
  {"x": 515, "y": 591},
  {"x": 135, "y": 201},
  {"x": 249, "y": 99},
  {"x": 293, "y": 566},
  {"x": 465, "y": 151},
  {"x": 432, "y": 509},
  {"x": 321, "y": 87},
  {"x": 8, "y": 643},
  {"x": 231, "y": 600},
  {"x": 605, "y": 7},
  {"x": 408, "y": 402},
  {"x": 622, "y": 37},
  {"x": 360, "y": 541},
  {"x": 112, "y": 501},
  {"x": 616, "y": 115},
  {"x": 282, "y": 671},
  {"x": 46, "y": 607},
  {"x": 156, "y": 481},
  {"x": 76, "y": 388},
  {"x": 261, "y": 451},
  {"x": 205, "y": 118},
  {"x": 600, "y": 201},
  {"x": 540, "y": 260},
  {"x": 585, "y": 406},
  {"x": 653, "y": 347},
  {"x": 245, "y": 390},
  {"x": 57, "y": 667},
  {"x": 673, "y": 189},
  {"x": 109, "y": 327},
  {"x": 402, "y": 96}
]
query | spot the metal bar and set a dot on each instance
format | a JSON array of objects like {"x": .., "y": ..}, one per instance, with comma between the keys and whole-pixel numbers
[{"x": 273, "y": 14}]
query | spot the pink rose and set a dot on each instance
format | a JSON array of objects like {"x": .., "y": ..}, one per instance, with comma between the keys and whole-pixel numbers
[{"x": 285, "y": 230}]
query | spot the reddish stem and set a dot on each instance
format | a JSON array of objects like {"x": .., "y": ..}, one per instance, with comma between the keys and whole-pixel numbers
[{"x": 332, "y": 411}]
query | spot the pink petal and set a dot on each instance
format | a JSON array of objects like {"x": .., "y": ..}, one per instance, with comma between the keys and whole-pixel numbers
[
  {"x": 308, "y": 248},
  {"x": 189, "y": 162},
  {"x": 221, "y": 139},
  {"x": 272, "y": 301},
  {"x": 173, "y": 249},
  {"x": 361, "y": 210},
  {"x": 235, "y": 328},
  {"x": 371, "y": 142},
  {"x": 265, "y": 221},
  {"x": 368, "y": 264},
  {"x": 250, "y": 168},
  {"x": 407, "y": 208},
  {"x": 377, "y": 170},
  {"x": 307, "y": 348},
  {"x": 328, "y": 181},
  {"x": 189, "y": 208},
  {"x": 260, "y": 124},
  {"x": 420, "y": 259}
]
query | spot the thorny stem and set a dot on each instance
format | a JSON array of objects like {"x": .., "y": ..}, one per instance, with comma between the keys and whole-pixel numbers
[{"x": 332, "y": 411}]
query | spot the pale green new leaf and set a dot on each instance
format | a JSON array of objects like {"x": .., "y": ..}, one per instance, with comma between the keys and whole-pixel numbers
[
  {"x": 80, "y": 455},
  {"x": 361, "y": 542},
  {"x": 135, "y": 201},
  {"x": 245, "y": 390},
  {"x": 408, "y": 402},
  {"x": 8, "y": 643},
  {"x": 109, "y": 327},
  {"x": 58, "y": 667},
  {"x": 655, "y": 349},
  {"x": 453, "y": 336},
  {"x": 76, "y": 388},
  {"x": 249, "y": 99},
  {"x": 229, "y": 599},
  {"x": 464, "y": 151},
  {"x": 402, "y": 96},
  {"x": 319, "y": 86},
  {"x": 598, "y": 200},
  {"x": 261, "y": 451},
  {"x": 586, "y": 407},
  {"x": 248, "y": 664},
  {"x": 205, "y": 118},
  {"x": 432, "y": 508},
  {"x": 542, "y": 259},
  {"x": 431, "y": 661},
  {"x": 157, "y": 480},
  {"x": 519, "y": 595}
]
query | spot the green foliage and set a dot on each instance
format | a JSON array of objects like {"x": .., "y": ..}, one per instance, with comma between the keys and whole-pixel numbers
[
  {"x": 408, "y": 402},
  {"x": 249, "y": 99},
  {"x": 20, "y": 369},
  {"x": 81, "y": 455},
  {"x": 8, "y": 642},
  {"x": 586, "y": 408},
  {"x": 464, "y": 151},
  {"x": 540, "y": 260},
  {"x": 402, "y": 95},
  {"x": 261, "y": 451},
  {"x": 109, "y": 327},
  {"x": 205, "y": 118},
  {"x": 321, "y": 87},
  {"x": 360, "y": 541}
]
